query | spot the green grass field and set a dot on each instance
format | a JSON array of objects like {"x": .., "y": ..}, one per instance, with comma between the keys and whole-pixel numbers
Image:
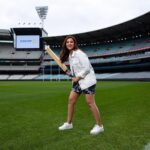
[{"x": 30, "y": 113}]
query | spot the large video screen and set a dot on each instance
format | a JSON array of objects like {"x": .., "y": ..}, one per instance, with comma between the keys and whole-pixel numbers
[{"x": 27, "y": 42}]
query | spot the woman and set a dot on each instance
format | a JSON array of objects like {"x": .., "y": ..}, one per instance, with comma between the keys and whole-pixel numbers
[{"x": 84, "y": 81}]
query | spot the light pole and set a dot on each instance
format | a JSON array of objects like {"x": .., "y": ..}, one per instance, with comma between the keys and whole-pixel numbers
[{"x": 42, "y": 12}]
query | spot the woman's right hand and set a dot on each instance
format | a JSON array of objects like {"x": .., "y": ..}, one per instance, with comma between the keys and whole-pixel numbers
[{"x": 75, "y": 79}]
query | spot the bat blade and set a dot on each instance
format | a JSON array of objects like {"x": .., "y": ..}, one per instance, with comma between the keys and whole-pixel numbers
[{"x": 56, "y": 59}]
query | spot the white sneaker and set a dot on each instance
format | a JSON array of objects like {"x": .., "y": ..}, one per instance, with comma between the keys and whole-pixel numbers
[
  {"x": 97, "y": 129},
  {"x": 66, "y": 126}
]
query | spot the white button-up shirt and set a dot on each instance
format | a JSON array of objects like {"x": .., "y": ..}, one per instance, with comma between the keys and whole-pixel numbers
[{"x": 80, "y": 66}]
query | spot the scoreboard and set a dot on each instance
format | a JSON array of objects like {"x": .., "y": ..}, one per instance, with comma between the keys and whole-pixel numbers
[
  {"x": 27, "y": 38},
  {"x": 27, "y": 42}
]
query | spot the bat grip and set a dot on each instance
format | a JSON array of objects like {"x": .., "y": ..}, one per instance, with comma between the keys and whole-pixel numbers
[{"x": 69, "y": 74}]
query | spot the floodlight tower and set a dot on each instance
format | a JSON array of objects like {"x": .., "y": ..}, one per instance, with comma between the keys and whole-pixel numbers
[{"x": 42, "y": 12}]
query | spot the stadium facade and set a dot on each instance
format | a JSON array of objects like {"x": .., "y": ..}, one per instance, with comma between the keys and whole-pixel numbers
[{"x": 117, "y": 52}]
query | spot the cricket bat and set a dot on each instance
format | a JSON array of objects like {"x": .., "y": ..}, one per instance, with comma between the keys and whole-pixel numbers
[{"x": 56, "y": 59}]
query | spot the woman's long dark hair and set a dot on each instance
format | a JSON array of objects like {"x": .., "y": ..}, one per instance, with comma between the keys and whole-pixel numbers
[{"x": 64, "y": 54}]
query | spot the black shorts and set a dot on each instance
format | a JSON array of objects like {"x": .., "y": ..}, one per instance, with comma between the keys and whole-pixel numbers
[{"x": 90, "y": 90}]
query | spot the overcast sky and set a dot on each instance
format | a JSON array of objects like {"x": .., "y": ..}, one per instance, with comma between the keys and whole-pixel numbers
[{"x": 70, "y": 16}]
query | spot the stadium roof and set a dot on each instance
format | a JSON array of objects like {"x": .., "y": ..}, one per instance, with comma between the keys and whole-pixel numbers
[
  {"x": 26, "y": 31},
  {"x": 137, "y": 26},
  {"x": 5, "y": 34}
]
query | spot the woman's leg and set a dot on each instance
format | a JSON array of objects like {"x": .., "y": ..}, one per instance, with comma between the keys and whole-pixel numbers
[
  {"x": 71, "y": 105},
  {"x": 95, "y": 111}
]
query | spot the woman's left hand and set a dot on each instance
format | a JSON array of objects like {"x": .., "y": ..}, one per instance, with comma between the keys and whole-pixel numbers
[{"x": 75, "y": 79}]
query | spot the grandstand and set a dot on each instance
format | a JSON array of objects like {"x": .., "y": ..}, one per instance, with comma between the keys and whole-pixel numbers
[
  {"x": 118, "y": 52},
  {"x": 20, "y": 63}
]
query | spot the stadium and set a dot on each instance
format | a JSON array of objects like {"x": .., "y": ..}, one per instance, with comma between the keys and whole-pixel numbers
[
  {"x": 120, "y": 56},
  {"x": 117, "y": 52}
]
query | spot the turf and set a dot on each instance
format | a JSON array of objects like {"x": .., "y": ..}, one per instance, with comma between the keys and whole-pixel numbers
[{"x": 30, "y": 113}]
